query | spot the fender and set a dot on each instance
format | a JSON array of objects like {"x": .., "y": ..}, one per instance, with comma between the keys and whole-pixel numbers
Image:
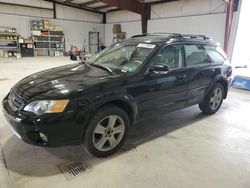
[
  {"x": 111, "y": 98},
  {"x": 220, "y": 80},
  {"x": 93, "y": 106}
]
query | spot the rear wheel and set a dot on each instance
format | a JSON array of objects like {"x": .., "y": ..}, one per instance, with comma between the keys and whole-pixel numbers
[
  {"x": 107, "y": 131},
  {"x": 213, "y": 100}
]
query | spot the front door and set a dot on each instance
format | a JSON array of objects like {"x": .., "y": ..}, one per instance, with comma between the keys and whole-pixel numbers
[{"x": 161, "y": 93}]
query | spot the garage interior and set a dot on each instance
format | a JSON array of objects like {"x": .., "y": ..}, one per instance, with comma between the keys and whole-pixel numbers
[{"x": 185, "y": 148}]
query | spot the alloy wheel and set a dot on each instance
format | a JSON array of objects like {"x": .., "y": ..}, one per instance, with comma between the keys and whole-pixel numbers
[
  {"x": 108, "y": 133},
  {"x": 216, "y": 99}
]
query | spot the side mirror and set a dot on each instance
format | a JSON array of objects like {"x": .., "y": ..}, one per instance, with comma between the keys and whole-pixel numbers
[{"x": 158, "y": 69}]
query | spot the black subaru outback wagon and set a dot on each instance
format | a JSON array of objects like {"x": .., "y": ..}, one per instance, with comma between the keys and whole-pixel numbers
[{"x": 95, "y": 102}]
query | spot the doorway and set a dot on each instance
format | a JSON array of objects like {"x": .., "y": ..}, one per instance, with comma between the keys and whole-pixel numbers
[
  {"x": 241, "y": 55},
  {"x": 93, "y": 42}
]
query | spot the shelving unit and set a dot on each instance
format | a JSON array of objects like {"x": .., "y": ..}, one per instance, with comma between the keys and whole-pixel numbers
[
  {"x": 46, "y": 41},
  {"x": 9, "y": 46}
]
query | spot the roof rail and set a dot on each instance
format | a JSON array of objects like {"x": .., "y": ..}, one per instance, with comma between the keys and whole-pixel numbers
[
  {"x": 156, "y": 34},
  {"x": 175, "y": 35},
  {"x": 191, "y": 36}
]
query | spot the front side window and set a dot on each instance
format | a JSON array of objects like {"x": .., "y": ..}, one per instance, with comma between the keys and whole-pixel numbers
[
  {"x": 126, "y": 58},
  {"x": 170, "y": 56},
  {"x": 196, "y": 55}
]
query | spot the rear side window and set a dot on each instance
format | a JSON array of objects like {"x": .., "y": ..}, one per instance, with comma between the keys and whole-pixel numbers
[
  {"x": 215, "y": 54},
  {"x": 196, "y": 55}
]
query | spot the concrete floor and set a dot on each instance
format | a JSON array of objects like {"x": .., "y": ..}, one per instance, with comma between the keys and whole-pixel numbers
[{"x": 181, "y": 149}]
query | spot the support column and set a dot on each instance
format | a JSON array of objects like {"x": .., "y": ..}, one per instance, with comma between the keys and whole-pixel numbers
[
  {"x": 54, "y": 10},
  {"x": 145, "y": 16},
  {"x": 229, "y": 20}
]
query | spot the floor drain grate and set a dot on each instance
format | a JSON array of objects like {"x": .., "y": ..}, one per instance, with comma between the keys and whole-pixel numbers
[{"x": 74, "y": 169}]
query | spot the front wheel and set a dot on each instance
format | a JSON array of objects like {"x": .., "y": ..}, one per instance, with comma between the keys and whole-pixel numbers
[
  {"x": 107, "y": 131},
  {"x": 213, "y": 100}
]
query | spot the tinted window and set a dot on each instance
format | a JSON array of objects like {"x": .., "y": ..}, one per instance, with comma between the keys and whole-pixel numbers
[
  {"x": 196, "y": 55},
  {"x": 215, "y": 54},
  {"x": 170, "y": 56}
]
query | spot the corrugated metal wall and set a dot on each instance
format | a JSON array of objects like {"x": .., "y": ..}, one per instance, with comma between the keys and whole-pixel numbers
[{"x": 212, "y": 25}]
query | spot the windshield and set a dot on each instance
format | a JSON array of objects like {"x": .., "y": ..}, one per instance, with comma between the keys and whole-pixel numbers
[{"x": 126, "y": 58}]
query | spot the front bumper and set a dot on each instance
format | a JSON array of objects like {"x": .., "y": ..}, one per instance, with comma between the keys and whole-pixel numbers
[{"x": 60, "y": 129}]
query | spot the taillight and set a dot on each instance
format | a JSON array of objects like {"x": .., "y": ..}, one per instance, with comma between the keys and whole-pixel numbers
[{"x": 229, "y": 72}]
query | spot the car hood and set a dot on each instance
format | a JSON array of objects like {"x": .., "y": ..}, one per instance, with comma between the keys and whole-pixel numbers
[{"x": 60, "y": 81}]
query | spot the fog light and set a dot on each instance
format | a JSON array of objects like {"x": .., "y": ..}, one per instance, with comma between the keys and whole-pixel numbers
[{"x": 43, "y": 137}]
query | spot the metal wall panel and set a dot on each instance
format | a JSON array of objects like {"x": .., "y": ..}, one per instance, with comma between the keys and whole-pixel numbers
[
  {"x": 122, "y": 16},
  {"x": 212, "y": 25},
  {"x": 37, "y": 3},
  {"x": 185, "y": 8},
  {"x": 68, "y": 13}
]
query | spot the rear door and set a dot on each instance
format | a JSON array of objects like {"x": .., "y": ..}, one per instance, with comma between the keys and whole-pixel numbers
[{"x": 200, "y": 72}]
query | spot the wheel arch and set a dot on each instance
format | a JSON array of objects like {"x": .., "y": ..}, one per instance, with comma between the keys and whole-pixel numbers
[
  {"x": 124, "y": 102},
  {"x": 224, "y": 83}
]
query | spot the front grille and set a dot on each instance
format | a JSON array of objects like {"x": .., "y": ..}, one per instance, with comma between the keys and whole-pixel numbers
[{"x": 15, "y": 99}]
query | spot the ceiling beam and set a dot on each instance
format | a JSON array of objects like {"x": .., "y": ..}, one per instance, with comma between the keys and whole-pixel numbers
[
  {"x": 90, "y": 2},
  {"x": 160, "y": 2},
  {"x": 114, "y": 10},
  {"x": 130, "y": 5},
  {"x": 102, "y": 7},
  {"x": 134, "y": 6},
  {"x": 73, "y": 5}
]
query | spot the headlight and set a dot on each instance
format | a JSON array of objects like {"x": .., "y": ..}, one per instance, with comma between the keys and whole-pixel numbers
[{"x": 46, "y": 106}]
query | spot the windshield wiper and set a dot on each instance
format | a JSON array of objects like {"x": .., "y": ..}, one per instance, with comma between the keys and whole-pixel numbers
[{"x": 102, "y": 67}]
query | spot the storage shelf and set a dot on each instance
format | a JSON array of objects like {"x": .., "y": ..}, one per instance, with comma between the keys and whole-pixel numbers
[
  {"x": 49, "y": 41},
  {"x": 6, "y": 47},
  {"x": 52, "y": 38},
  {"x": 12, "y": 34},
  {"x": 7, "y": 40},
  {"x": 57, "y": 35}
]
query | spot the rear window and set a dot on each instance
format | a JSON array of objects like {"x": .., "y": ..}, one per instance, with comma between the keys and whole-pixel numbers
[{"x": 216, "y": 54}]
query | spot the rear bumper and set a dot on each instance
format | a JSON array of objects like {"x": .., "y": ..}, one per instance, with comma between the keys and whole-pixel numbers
[{"x": 60, "y": 129}]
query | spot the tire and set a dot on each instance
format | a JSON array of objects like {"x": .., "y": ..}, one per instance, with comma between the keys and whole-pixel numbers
[
  {"x": 106, "y": 131},
  {"x": 213, "y": 101}
]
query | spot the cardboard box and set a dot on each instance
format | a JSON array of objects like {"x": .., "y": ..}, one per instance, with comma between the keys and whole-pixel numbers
[
  {"x": 241, "y": 82},
  {"x": 46, "y": 24},
  {"x": 117, "y": 28}
]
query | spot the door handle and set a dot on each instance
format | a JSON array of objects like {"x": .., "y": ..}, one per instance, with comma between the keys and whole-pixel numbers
[
  {"x": 212, "y": 71},
  {"x": 182, "y": 77}
]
